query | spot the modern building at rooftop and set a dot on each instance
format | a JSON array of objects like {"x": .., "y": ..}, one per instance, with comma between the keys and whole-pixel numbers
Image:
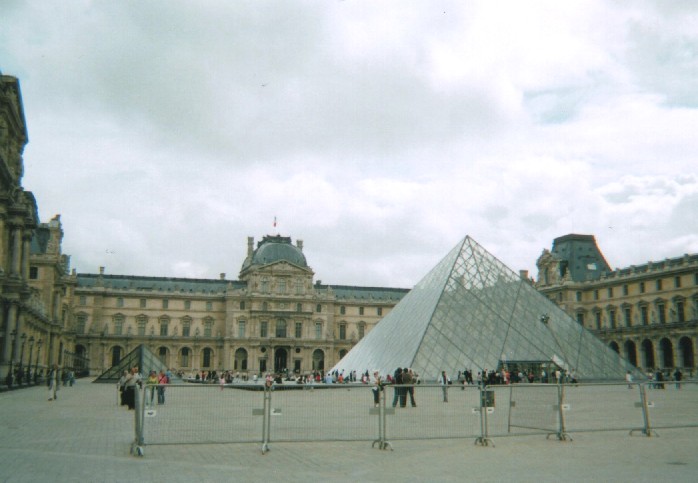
[
  {"x": 276, "y": 315},
  {"x": 648, "y": 313}
]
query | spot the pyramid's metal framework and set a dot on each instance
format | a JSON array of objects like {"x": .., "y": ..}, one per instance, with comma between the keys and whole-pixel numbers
[
  {"x": 140, "y": 357},
  {"x": 472, "y": 312}
]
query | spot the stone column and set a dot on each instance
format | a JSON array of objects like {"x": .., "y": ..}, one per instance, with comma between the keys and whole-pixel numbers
[
  {"x": 3, "y": 248},
  {"x": 16, "y": 256},
  {"x": 26, "y": 251},
  {"x": 9, "y": 313},
  {"x": 19, "y": 326}
]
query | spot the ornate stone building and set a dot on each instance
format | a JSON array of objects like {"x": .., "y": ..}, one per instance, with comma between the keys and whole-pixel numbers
[
  {"x": 273, "y": 318},
  {"x": 33, "y": 278},
  {"x": 648, "y": 313}
]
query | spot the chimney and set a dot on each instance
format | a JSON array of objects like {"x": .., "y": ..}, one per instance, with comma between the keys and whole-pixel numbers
[
  {"x": 523, "y": 274},
  {"x": 101, "y": 270},
  {"x": 222, "y": 275},
  {"x": 299, "y": 244},
  {"x": 250, "y": 245}
]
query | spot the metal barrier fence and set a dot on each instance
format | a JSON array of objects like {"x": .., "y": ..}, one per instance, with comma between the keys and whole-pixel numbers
[{"x": 249, "y": 413}]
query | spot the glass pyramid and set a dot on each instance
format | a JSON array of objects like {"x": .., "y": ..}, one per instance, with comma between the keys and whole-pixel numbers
[
  {"x": 472, "y": 312},
  {"x": 141, "y": 356}
]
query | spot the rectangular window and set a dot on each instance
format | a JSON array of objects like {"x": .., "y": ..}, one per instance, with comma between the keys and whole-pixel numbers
[
  {"x": 208, "y": 328},
  {"x": 280, "y": 328},
  {"x": 610, "y": 292},
  {"x": 33, "y": 273},
  {"x": 661, "y": 312},
  {"x": 342, "y": 331},
  {"x": 612, "y": 318},
  {"x": 642, "y": 287},
  {"x": 262, "y": 365},
  {"x": 241, "y": 329},
  {"x": 141, "y": 327},
  {"x": 578, "y": 296},
  {"x": 597, "y": 318},
  {"x": 83, "y": 300},
  {"x": 362, "y": 331},
  {"x": 263, "y": 328},
  {"x": 627, "y": 314},
  {"x": 342, "y": 310},
  {"x": 163, "y": 327},
  {"x": 379, "y": 311},
  {"x": 186, "y": 329},
  {"x": 81, "y": 323},
  {"x": 318, "y": 308},
  {"x": 118, "y": 326},
  {"x": 361, "y": 311},
  {"x": 596, "y": 295},
  {"x": 187, "y": 305},
  {"x": 209, "y": 306},
  {"x": 119, "y": 301},
  {"x": 644, "y": 315},
  {"x": 680, "y": 314},
  {"x": 580, "y": 318},
  {"x": 695, "y": 278},
  {"x": 677, "y": 282},
  {"x": 625, "y": 289},
  {"x": 659, "y": 285},
  {"x": 165, "y": 303},
  {"x": 142, "y": 303},
  {"x": 318, "y": 330},
  {"x": 299, "y": 330}
]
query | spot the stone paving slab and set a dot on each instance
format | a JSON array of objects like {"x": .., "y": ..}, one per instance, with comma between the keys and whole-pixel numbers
[{"x": 84, "y": 436}]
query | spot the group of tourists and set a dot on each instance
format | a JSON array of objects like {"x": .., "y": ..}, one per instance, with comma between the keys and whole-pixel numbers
[{"x": 155, "y": 384}]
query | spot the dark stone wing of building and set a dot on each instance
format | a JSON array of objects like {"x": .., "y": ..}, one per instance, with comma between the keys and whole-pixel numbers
[{"x": 472, "y": 312}]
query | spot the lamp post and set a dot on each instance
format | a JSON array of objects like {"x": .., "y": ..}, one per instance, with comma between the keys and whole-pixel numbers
[
  {"x": 20, "y": 373},
  {"x": 10, "y": 373},
  {"x": 29, "y": 361},
  {"x": 36, "y": 367}
]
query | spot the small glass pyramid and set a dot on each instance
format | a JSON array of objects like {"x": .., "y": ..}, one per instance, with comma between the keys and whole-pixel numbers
[{"x": 472, "y": 312}]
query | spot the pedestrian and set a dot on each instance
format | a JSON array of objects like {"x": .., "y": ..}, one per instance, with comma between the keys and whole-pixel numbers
[
  {"x": 444, "y": 381},
  {"x": 133, "y": 379},
  {"x": 52, "y": 383},
  {"x": 397, "y": 390},
  {"x": 121, "y": 385},
  {"x": 412, "y": 377},
  {"x": 377, "y": 388},
  {"x": 677, "y": 377},
  {"x": 162, "y": 380},
  {"x": 629, "y": 379},
  {"x": 151, "y": 385}
]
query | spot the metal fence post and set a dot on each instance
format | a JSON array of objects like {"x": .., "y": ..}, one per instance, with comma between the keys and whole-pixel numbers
[
  {"x": 266, "y": 419},
  {"x": 647, "y": 428},
  {"x": 138, "y": 442},
  {"x": 483, "y": 439},
  {"x": 562, "y": 432},
  {"x": 382, "y": 442}
]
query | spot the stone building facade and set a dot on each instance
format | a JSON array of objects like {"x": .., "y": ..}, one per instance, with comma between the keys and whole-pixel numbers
[
  {"x": 648, "y": 313},
  {"x": 33, "y": 272},
  {"x": 274, "y": 317}
]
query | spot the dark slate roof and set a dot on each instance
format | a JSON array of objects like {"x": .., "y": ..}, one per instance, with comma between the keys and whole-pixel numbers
[
  {"x": 349, "y": 292},
  {"x": 581, "y": 257},
  {"x": 157, "y": 284},
  {"x": 274, "y": 249}
]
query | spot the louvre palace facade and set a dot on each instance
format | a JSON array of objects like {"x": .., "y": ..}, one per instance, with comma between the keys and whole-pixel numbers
[
  {"x": 648, "y": 313},
  {"x": 274, "y": 315}
]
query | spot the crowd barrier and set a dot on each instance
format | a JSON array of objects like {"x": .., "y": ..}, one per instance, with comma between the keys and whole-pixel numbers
[{"x": 254, "y": 413}]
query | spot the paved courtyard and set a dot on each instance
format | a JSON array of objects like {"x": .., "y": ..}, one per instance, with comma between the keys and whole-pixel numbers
[{"x": 84, "y": 436}]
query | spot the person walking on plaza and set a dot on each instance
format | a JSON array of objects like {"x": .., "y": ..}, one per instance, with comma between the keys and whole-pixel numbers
[
  {"x": 629, "y": 379},
  {"x": 444, "y": 381},
  {"x": 677, "y": 377},
  {"x": 377, "y": 388},
  {"x": 52, "y": 383},
  {"x": 410, "y": 379},
  {"x": 162, "y": 380},
  {"x": 397, "y": 391},
  {"x": 151, "y": 384}
]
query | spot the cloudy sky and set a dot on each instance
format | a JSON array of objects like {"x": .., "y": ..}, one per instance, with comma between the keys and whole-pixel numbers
[{"x": 380, "y": 133}]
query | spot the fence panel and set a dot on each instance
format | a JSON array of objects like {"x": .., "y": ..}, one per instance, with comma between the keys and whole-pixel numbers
[
  {"x": 533, "y": 409},
  {"x": 603, "y": 407},
  {"x": 432, "y": 418},
  {"x": 673, "y": 406},
  {"x": 337, "y": 412},
  {"x": 203, "y": 413}
]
